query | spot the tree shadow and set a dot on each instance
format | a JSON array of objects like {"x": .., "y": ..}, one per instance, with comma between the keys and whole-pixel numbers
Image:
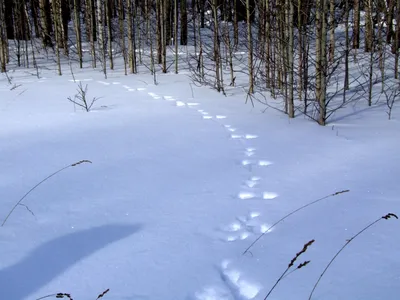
[{"x": 54, "y": 257}]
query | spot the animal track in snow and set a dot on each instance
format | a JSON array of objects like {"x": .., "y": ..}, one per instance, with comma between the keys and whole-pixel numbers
[
  {"x": 180, "y": 103},
  {"x": 240, "y": 287},
  {"x": 126, "y": 87},
  {"x": 213, "y": 293},
  {"x": 261, "y": 163},
  {"x": 169, "y": 98},
  {"x": 246, "y": 195},
  {"x": 269, "y": 195},
  {"x": 103, "y": 82},
  {"x": 244, "y": 227},
  {"x": 76, "y": 80},
  {"x": 252, "y": 182},
  {"x": 250, "y": 136},
  {"x": 230, "y": 128},
  {"x": 249, "y": 152},
  {"x": 155, "y": 96},
  {"x": 235, "y": 286},
  {"x": 192, "y": 104},
  {"x": 141, "y": 89},
  {"x": 207, "y": 117},
  {"x": 220, "y": 117},
  {"x": 246, "y": 136},
  {"x": 115, "y": 82}
]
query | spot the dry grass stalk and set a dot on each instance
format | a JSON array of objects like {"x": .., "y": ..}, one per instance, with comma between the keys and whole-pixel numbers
[
  {"x": 42, "y": 181},
  {"x": 291, "y": 264},
  {"x": 385, "y": 217}
]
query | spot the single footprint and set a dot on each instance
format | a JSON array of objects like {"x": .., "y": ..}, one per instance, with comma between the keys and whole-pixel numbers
[
  {"x": 240, "y": 287},
  {"x": 115, "y": 82},
  {"x": 245, "y": 195},
  {"x": 250, "y": 136},
  {"x": 213, "y": 293},
  {"x": 192, "y": 104},
  {"x": 244, "y": 227},
  {"x": 252, "y": 182},
  {"x": 141, "y": 89},
  {"x": 207, "y": 117},
  {"x": 249, "y": 152},
  {"x": 169, "y": 98},
  {"x": 250, "y": 162},
  {"x": 269, "y": 195},
  {"x": 103, "y": 82},
  {"x": 234, "y": 286},
  {"x": 246, "y": 136},
  {"x": 155, "y": 96},
  {"x": 180, "y": 103},
  {"x": 220, "y": 117}
]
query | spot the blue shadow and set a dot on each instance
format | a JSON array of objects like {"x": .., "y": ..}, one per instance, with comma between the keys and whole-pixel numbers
[{"x": 54, "y": 257}]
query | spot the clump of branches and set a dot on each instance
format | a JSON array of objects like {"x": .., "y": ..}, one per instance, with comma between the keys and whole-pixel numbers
[
  {"x": 81, "y": 98},
  {"x": 392, "y": 93}
]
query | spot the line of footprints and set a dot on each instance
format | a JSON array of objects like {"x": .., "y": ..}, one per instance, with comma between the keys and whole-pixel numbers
[
  {"x": 243, "y": 226},
  {"x": 235, "y": 284}
]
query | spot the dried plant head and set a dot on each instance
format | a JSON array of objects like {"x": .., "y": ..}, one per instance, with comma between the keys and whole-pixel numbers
[
  {"x": 102, "y": 294},
  {"x": 81, "y": 162},
  {"x": 64, "y": 295},
  {"x": 305, "y": 247},
  {"x": 390, "y": 215}
]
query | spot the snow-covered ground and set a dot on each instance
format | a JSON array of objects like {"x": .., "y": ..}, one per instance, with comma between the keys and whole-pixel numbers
[{"x": 182, "y": 181}]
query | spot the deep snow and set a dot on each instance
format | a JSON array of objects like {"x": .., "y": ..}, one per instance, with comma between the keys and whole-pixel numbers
[{"x": 180, "y": 186}]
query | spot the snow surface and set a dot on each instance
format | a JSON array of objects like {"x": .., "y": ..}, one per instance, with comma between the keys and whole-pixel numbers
[{"x": 181, "y": 184}]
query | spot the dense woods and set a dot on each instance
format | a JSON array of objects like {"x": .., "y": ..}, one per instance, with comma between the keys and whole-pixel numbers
[{"x": 300, "y": 52}]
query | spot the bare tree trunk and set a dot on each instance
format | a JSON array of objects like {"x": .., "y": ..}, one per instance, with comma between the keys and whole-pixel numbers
[
  {"x": 290, "y": 11},
  {"x": 163, "y": 17},
  {"x": 356, "y": 25},
  {"x": 131, "y": 38},
  {"x": 397, "y": 42},
  {"x": 389, "y": 18},
  {"x": 184, "y": 24},
  {"x": 108, "y": 5},
  {"x": 121, "y": 13},
  {"x": 368, "y": 26},
  {"x": 321, "y": 59},
  {"x": 92, "y": 30},
  {"x": 176, "y": 35},
  {"x": 100, "y": 33},
  {"x": 250, "y": 48},
  {"x": 45, "y": 17},
  {"x": 78, "y": 32},
  {"x": 65, "y": 17},
  {"x": 56, "y": 18},
  {"x": 158, "y": 31},
  {"x": 235, "y": 24},
  {"x": 217, "y": 52},
  {"x": 3, "y": 39},
  {"x": 168, "y": 23},
  {"x": 267, "y": 45},
  {"x": 332, "y": 31},
  {"x": 347, "y": 50}
]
